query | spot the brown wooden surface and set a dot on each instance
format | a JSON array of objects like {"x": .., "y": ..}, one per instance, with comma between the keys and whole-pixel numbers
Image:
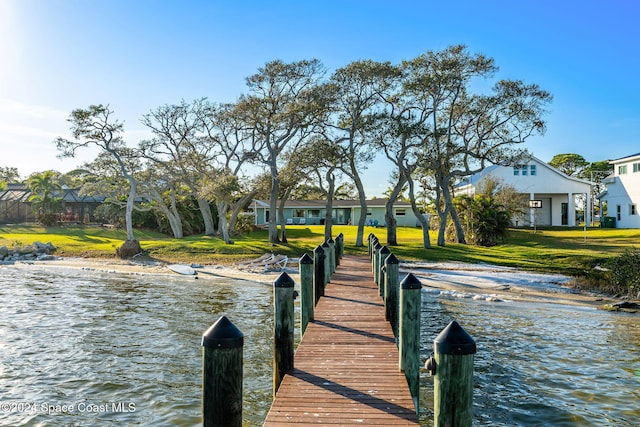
[{"x": 346, "y": 367}]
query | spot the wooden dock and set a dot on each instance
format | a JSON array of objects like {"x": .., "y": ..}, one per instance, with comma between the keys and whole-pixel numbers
[{"x": 346, "y": 366}]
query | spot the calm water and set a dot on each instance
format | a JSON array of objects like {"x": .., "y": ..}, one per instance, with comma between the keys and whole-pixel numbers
[{"x": 125, "y": 350}]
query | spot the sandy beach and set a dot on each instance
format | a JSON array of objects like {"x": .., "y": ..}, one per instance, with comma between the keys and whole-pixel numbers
[{"x": 478, "y": 281}]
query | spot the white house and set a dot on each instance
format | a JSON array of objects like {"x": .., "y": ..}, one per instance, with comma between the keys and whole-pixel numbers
[
  {"x": 550, "y": 194},
  {"x": 622, "y": 195},
  {"x": 310, "y": 212}
]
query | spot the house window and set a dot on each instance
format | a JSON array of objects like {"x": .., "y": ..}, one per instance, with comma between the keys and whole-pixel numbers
[
  {"x": 622, "y": 170},
  {"x": 636, "y": 167},
  {"x": 516, "y": 170},
  {"x": 401, "y": 212},
  {"x": 532, "y": 170},
  {"x": 314, "y": 213},
  {"x": 298, "y": 213},
  {"x": 525, "y": 169},
  {"x": 632, "y": 210},
  {"x": 368, "y": 212},
  {"x": 618, "y": 212}
]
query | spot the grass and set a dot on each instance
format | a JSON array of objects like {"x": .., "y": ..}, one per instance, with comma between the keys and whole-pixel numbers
[{"x": 560, "y": 250}]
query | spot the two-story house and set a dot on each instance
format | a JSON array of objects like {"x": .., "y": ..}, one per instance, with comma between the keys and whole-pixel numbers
[
  {"x": 550, "y": 197},
  {"x": 622, "y": 196}
]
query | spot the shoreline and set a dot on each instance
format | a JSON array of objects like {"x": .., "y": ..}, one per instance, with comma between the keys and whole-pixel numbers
[{"x": 498, "y": 284}]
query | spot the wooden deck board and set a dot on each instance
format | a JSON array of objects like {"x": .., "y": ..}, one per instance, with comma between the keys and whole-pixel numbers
[{"x": 346, "y": 366}]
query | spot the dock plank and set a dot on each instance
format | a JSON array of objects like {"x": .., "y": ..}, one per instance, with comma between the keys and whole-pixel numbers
[{"x": 346, "y": 366}]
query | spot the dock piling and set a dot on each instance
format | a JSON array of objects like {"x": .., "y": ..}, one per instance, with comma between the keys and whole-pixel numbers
[
  {"x": 284, "y": 327},
  {"x": 454, "y": 351},
  {"x": 222, "y": 346},
  {"x": 409, "y": 333}
]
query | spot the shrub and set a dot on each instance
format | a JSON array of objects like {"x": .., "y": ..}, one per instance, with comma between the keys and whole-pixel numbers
[{"x": 625, "y": 271}]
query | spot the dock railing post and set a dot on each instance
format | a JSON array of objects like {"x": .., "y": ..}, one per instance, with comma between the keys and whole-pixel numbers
[
  {"x": 383, "y": 254},
  {"x": 392, "y": 283},
  {"x": 318, "y": 272},
  {"x": 339, "y": 248},
  {"x": 332, "y": 255},
  {"x": 283, "y": 328},
  {"x": 370, "y": 245},
  {"x": 222, "y": 346},
  {"x": 452, "y": 367},
  {"x": 327, "y": 263},
  {"x": 376, "y": 262},
  {"x": 409, "y": 333},
  {"x": 307, "y": 302}
]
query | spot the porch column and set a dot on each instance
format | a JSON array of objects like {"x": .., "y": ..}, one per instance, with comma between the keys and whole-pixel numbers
[
  {"x": 587, "y": 210},
  {"x": 571, "y": 211},
  {"x": 532, "y": 211}
]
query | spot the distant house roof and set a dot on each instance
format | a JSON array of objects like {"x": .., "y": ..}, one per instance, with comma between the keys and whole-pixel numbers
[
  {"x": 21, "y": 193},
  {"x": 474, "y": 179},
  {"x": 336, "y": 203}
]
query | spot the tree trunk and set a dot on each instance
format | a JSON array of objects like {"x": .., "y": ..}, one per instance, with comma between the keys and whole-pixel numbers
[
  {"x": 426, "y": 241},
  {"x": 273, "y": 211},
  {"x": 207, "y": 216},
  {"x": 283, "y": 228},
  {"x": 448, "y": 201},
  {"x": 170, "y": 212},
  {"x": 363, "y": 207},
  {"x": 389, "y": 218},
  {"x": 223, "y": 227},
  {"x": 128, "y": 215},
  {"x": 328, "y": 216},
  {"x": 238, "y": 207}
]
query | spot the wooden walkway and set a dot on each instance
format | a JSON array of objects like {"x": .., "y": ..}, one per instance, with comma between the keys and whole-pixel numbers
[{"x": 346, "y": 366}]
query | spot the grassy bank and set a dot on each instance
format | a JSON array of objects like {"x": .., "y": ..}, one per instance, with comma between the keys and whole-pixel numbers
[{"x": 557, "y": 250}]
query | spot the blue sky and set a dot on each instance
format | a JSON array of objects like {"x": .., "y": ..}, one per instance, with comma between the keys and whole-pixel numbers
[{"x": 58, "y": 55}]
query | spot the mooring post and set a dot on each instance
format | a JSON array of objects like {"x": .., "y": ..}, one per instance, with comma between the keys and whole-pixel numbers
[
  {"x": 222, "y": 374},
  {"x": 318, "y": 272},
  {"x": 392, "y": 283},
  {"x": 283, "y": 328},
  {"x": 454, "y": 351},
  {"x": 307, "y": 301},
  {"x": 409, "y": 333},
  {"x": 327, "y": 263},
  {"x": 332, "y": 255},
  {"x": 383, "y": 254},
  {"x": 370, "y": 241}
]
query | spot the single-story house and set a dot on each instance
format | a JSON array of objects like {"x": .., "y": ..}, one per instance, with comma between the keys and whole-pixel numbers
[
  {"x": 344, "y": 212},
  {"x": 622, "y": 195},
  {"x": 549, "y": 194}
]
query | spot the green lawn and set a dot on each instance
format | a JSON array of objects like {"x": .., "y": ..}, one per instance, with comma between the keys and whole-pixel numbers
[{"x": 560, "y": 250}]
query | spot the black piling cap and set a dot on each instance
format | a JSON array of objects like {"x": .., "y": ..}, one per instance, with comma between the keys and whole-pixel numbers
[
  {"x": 377, "y": 246},
  {"x": 306, "y": 259},
  {"x": 283, "y": 281},
  {"x": 410, "y": 282},
  {"x": 454, "y": 340},
  {"x": 330, "y": 241},
  {"x": 392, "y": 259},
  {"x": 325, "y": 245},
  {"x": 341, "y": 236},
  {"x": 385, "y": 250},
  {"x": 223, "y": 334},
  {"x": 318, "y": 250}
]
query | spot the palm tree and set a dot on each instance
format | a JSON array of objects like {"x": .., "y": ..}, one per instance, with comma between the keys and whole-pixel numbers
[{"x": 43, "y": 188}]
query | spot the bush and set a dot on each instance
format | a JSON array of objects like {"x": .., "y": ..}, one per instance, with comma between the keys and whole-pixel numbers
[{"x": 625, "y": 272}]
